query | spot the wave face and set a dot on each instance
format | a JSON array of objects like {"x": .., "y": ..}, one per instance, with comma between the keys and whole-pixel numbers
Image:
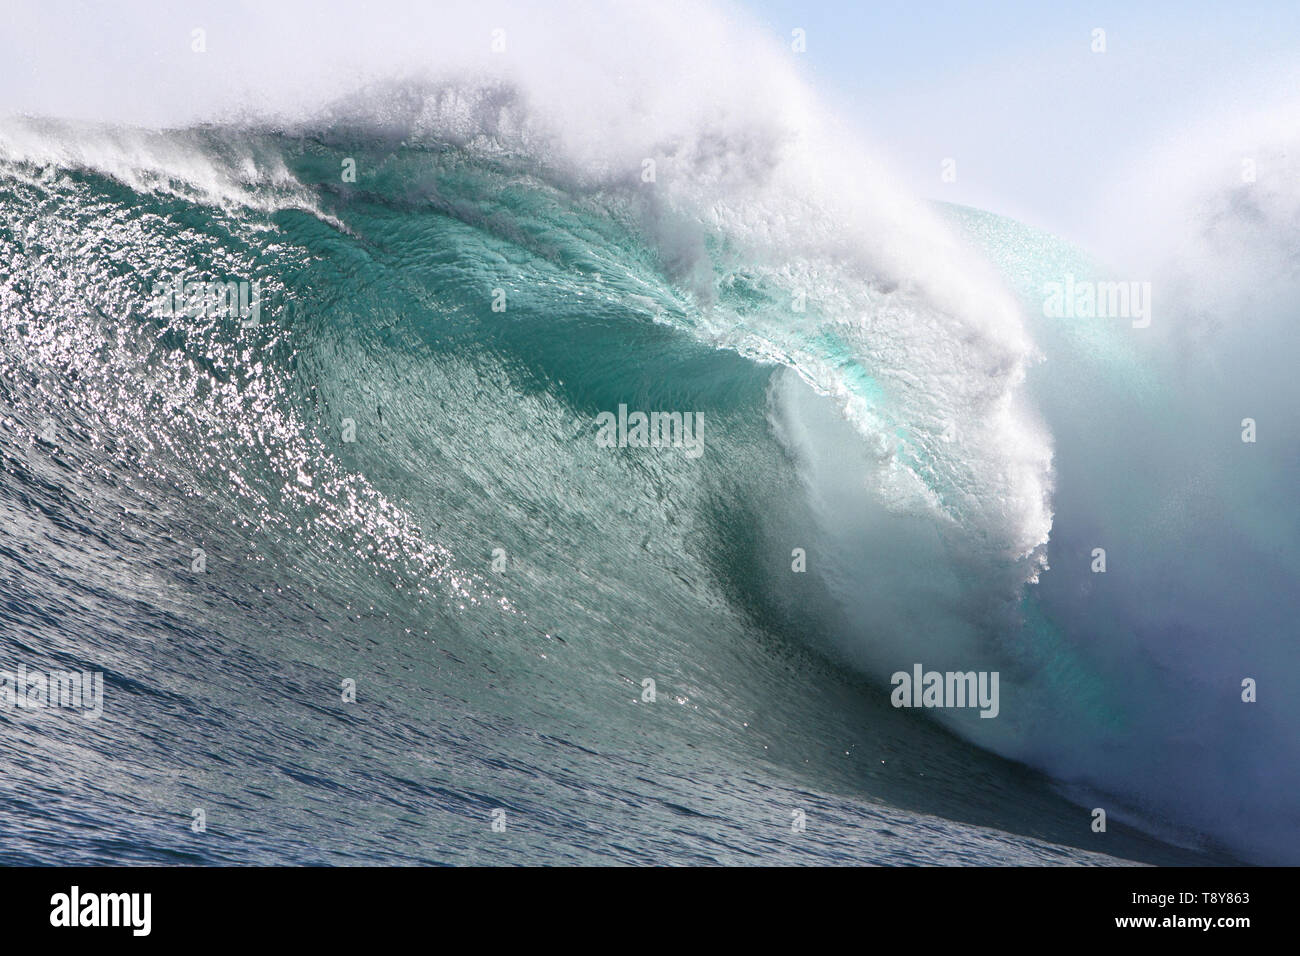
[{"x": 395, "y": 478}]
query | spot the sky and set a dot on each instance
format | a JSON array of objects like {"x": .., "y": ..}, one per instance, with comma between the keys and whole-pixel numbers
[
  {"x": 1039, "y": 126},
  {"x": 1036, "y": 124}
]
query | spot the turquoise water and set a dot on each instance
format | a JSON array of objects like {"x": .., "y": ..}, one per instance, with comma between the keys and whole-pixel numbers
[{"x": 496, "y": 584}]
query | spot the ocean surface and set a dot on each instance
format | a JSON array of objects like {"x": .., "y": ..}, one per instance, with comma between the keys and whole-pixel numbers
[{"x": 392, "y": 481}]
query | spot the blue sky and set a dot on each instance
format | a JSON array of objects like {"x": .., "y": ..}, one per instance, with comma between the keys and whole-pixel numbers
[
  {"x": 1038, "y": 124},
  {"x": 1040, "y": 127}
]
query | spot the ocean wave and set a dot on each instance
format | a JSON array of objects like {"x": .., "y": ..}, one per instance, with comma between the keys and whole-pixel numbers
[{"x": 876, "y": 389}]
